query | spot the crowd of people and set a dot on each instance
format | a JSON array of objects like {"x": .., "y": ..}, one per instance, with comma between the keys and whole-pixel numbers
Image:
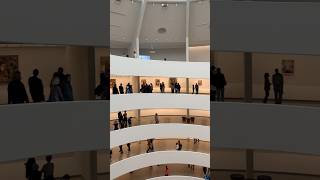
[
  {"x": 148, "y": 88},
  {"x": 60, "y": 88},
  {"x": 45, "y": 173}
]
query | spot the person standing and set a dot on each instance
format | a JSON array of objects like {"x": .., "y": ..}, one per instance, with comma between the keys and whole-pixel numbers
[
  {"x": 67, "y": 90},
  {"x": 36, "y": 87},
  {"x": 115, "y": 89},
  {"x": 156, "y": 118},
  {"x": 55, "y": 89},
  {"x": 16, "y": 91},
  {"x": 193, "y": 88},
  {"x": 166, "y": 171},
  {"x": 48, "y": 169},
  {"x": 220, "y": 84},
  {"x": 213, "y": 83},
  {"x": 121, "y": 89},
  {"x": 129, "y": 147},
  {"x": 197, "y": 88},
  {"x": 267, "y": 85},
  {"x": 277, "y": 81}
]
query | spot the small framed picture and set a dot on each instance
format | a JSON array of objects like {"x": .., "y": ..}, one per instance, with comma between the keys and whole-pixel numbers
[
  {"x": 143, "y": 81},
  {"x": 288, "y": 66},
  {"x": 200, "y": 82},
  {"x": 112, "y": 82},
  {"x": 157, "y": 82}
]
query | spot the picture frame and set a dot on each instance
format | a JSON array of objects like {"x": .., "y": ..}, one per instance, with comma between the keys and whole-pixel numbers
[
  {"x": 157, "y": 82},
  {"x": 8, "y": 66},
  {"x": 200, "y": 82},
  {"x": 172, "y": 81},
  {"x": 112, "y": 82},
  {"x": 287, "y": 66},
  {"x": 143, "y": 81}
]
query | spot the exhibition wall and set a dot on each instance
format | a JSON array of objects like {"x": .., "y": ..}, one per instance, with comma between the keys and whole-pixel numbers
[
  {"x": 47, "y": 59},
  {"x": 73, "y": 164},
  {"x": 302, "y": 84}
]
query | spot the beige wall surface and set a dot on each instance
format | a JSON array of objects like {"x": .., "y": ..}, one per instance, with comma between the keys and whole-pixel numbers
[
  {"x": 302, "y": 85},
  {"x": 74, "y": 60}
]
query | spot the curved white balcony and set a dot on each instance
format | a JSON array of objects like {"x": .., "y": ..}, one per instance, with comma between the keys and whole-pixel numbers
[
  {"x": 123, "y": 66},
  {"x": 159, "y": 131},
  {"x": 175, "y": 178},
  {"x": 158, "y": 158},
  {"x": 121, "y": 102},
  {"x": 35, "y": 129},
  {"x": 285, "y": 128}
]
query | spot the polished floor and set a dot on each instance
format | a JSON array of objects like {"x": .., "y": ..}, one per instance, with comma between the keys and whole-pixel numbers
[
  {"x": 156, "y": 171},
  {"x": 159, "y": 145},
  {"x": 205, "y": 121}
]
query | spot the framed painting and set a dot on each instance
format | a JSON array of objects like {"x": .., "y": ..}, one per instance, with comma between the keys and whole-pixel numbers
[
  {"x": 287, "y": 67},
  {"x": 112, "y": 82},
  {"x": 8, "y": 66},
  {"x": 143, "y": 81},
  {"x": 200, "y": 82},
  {"x": 157, "y": 82},
  {"x": 172, "y": 81}
]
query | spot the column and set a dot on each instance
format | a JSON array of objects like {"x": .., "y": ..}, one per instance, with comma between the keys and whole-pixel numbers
[
  {"x": 188, "y": 91},
  {"x": 92, "y": 72},
  {"x": 88, "y": 164},
  {"x": 248, "y": 98},
  {"x": 247, "y": 77}
]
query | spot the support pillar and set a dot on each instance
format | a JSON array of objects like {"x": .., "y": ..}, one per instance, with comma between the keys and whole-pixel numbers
[
  {"x": 92, "y": 72},
  {"x": 250, "y": 164},
  {"x": 247, "y": 77},
  {"x": 88, "y": 164}
]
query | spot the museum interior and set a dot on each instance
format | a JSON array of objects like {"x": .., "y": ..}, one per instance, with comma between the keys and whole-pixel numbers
[{"x": 159, "y": 89}]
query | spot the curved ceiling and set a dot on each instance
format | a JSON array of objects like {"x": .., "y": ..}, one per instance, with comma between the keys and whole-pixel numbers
[{"x": 125, "y": 14}]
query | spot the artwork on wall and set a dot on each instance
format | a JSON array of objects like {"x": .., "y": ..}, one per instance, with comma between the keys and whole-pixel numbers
[
  {"x": 143, "y": 81},
  {"x": 8, "y": 65},
  {"x": 172, "y": 81},
  {"x": 157, "y": 82},
  {"x": 200, "y": 82},
  {"x": 112, "y": 82},
  {"x": 288, "y": 66}
]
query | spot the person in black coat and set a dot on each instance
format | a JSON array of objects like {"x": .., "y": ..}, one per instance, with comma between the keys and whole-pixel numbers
[
  {"x": 16, "y": 91},
  {"x": 220, "y": 84},
  {"x": 267, "y": 85},
  {"x": 36, "y": 87},
  {"x": 121, "y": 89},
  {"x": 115, "y": 90}
]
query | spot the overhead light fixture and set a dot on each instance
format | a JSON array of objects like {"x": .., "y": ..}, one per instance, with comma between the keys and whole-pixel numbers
[
  {"x": 152, "y": 52},
  {"x": 164, "y": 5}
]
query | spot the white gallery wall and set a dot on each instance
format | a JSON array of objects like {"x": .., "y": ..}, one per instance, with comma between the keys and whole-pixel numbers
[
  {"x": 302, "y": 85},
  {"x": 74, "y": 60}
]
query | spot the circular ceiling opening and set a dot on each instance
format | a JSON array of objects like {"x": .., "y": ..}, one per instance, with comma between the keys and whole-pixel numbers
[{"x": 162, "y": 30}]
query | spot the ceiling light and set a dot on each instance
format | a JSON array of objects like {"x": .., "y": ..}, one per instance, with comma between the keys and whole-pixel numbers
[
  {"x": 164, "y": 5},
  {"x": 152, "y": 52}
]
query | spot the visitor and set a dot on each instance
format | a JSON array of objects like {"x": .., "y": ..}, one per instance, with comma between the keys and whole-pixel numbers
[
  {"x": 62, "y": 77},
  {"x": 166, "y": 171},
  {"x": 101, "y": 89},
  {"x": 121, "y": 90},
  {"x": 267, "y": 85},
  {"x": 178, "y": 146},
  {"x": 115, "y": 89},
  {"x": 277, "y": 81},
  {"x": 36, "y": 87},
  {"x": 193, "y": 88},
  {"x": 178, "y": 87},
  {"x": 115, "y": 125},
  {"x": 220, "y": 84},
  {"x": 120, "y": 149},
  {"x": 197, "y": 88},
  {"x": 16, "y": 91},
  {"x": 67, "y": 90},
  {"x": 161, "y": 87},
  {"x": 48, "y": 169},
  {"x": 213, "y": 83},
  {"x": 135, "y": 55},
  {"x": 55, "y": 89},
  {"x": 151, "y": 88},
  {"x": 156, "y": 118},
  {"x": 129, "y": 121},
  {"x": 32, "y": 170},
  {"x": 172, "y": 87},
  {"x": 128, "y": 146},
  {"x": 128, "y": 88}
]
